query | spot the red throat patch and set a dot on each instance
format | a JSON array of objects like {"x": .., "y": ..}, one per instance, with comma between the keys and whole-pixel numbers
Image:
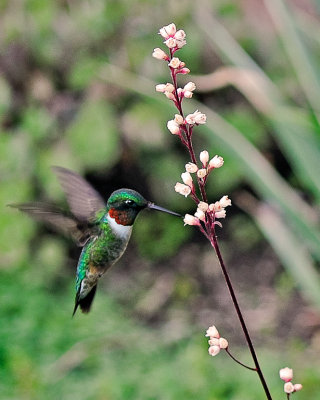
[{"x": 121, "y": 217}]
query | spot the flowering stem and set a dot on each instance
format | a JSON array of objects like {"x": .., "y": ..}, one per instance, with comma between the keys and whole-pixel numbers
[
  {"x": 215, "y": 245},
  {"x": 239, "y": 362}
]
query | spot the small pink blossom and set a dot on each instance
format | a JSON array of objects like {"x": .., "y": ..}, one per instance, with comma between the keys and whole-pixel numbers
[
  {"x": 214, "y": 350},
  {"x": 175, "y": 63},
  {"x": 165, "y": 87},
  {"x": 190, "y": 86},
  {"x": 213, "y": 341},
  {"x": 182, "y": 189},
  {"x": 200, "y": 118},
  {"x": 220, "y": 214},
  {"x": 223, "y": 343},
  {"x": 203, "y": 206},
  {"x": 286, "y": 374},
  {"x": 187, "y": 179},
  {"x": 204, "y": 158},
  {"x": 183, "y": 71},
  {"x": 297, "y": 387},
  {"x": 171, "y": 43},
  {"x": 200, "y": 214},
  {"x": 180, "y": 36},
  {"x": 191, "y": 167},
  {"x": 170, "y": 95},
  {"x": 168, "y": 30},
  {"x": 190, "y": 119},
  {"x": 190, "y": 220},
  {"x": 288, "y": 387},
  {"x": 187, "y": 94},
  {"x": 216, "y": 162},
  {"x": 212, "y": 332},
  {"x": 173, "y": 127},
  {"x": 225, "y": 201},
  {"x": 159, "y": 54},
  {"x": 202, "y": 173},
  {"x": 179, "y": 120}
]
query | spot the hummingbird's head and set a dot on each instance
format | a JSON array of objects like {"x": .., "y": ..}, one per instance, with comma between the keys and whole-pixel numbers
[{"x": 125, "y": 204}]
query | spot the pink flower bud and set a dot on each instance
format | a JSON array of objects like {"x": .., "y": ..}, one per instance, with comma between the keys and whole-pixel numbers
[
  {"x": 286, "y": 374},
  {"x": 182, "y": 189},
  {"x": 184, "y": 71},
  {"x": 216, "y": 162},
  {"x": 223, "y": 343},
  {"x": 179, "y": 120},
  {"x": 200, "y": 118},
  {"x": 214, "y": 350},
  {"x": 212, "y": 332},
  {"x": 220, "y": 214},
  {"x": 190, "y": 220},
  {"x": 297, "y": 387},
  {"x": 190, "y": 86},
  {"x": 215, "y": 206},
  {"x": 180, "y": 35},
  {"x": 171, "y": 43},
  {"x": 203, "y": 206},
  {"x": 168, "y": 30},
  {"x": 173, "y": 127},
  {"x": 159, "y": 54},
  {"x": 200, "y": 214},
  {"x": 190, "y": 119},
  {"x": 187, "y": 94},
  {"x": 170, "y": 95},
  {"x": 174, "y": 63},
  {"x": 213, "y": 341},
  {"x": 225, "y": 201},
  {"x": 204, "y": 157},
  {"x": 202, "y": 173},
  {"x": 191, "y": 167},
  {"x": 288, "y": 387},
  {"x": 187, "y": 179}
]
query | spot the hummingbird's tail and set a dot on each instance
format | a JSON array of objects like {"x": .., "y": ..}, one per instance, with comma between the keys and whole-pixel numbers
[{"x": 86, "y": 302}]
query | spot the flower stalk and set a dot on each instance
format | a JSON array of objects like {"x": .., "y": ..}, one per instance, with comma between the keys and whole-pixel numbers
[{"x": 207, "y": 215}]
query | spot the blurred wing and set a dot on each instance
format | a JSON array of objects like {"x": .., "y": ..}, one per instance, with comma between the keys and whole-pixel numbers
[
  {"x": 54, "y": 217},
  {"x": 83, "y": 200}
]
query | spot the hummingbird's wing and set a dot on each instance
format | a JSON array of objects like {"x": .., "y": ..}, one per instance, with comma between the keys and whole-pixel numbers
[
  {"x": 59, "y": 220},
  {"x": 83, "y": 200}
]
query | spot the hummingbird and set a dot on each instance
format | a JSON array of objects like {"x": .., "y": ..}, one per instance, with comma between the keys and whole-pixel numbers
[{"x": 102, "y": 229}]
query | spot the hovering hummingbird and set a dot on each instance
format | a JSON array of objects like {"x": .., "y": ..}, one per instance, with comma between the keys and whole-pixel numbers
[{"x": 102, "y": 229}]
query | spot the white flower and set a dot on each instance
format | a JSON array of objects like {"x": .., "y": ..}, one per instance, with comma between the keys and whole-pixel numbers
[
  {"x": 178, "y": 119},
  {"x": 213, "y": 341},
  {"x": 183, "y": 71},
  {"x": 216, "y": 162},
  {"x": 220, "y": 214},
  {"x": 214, "y": 350},
  {"x": 203, "y": 206},
  {"x": 223, "y": 343},
  {"x": 225, "y": 201},
  {"x": 173, "y": 127},
  {"x": 200, "y": 118},
  {"x": 204, "y": 157},
  {"x": 169, "y": 95},
  {"x": 187, "y": 179},
  {"x": 159, "y": 54},
  {"x": 288, "y": 387},
  {"x": 190, "y": 86},
  {"x": 190, "y": 119},
  {"x": 182, "y": 189},
  {"x": 200, "y": 214},
  {"x": 171, "y": 43},
  {"x": 190, "y": 220},
  {"x": 297, "y": 387},
  {"x": 191, "y": 167},
  {"x": 212, "y": 332},
  {"x": 180, "y": 35},
  {"x": 286, "y": 374},
  {"x": 187, "y": 94},
  {"x": 168, "y": 30},
  {"x": 202, "y": 173},
  {"x": 174, "y": 63}
]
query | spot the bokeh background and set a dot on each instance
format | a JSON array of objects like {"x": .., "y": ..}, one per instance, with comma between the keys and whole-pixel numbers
[{"x": 77, "y": 90}]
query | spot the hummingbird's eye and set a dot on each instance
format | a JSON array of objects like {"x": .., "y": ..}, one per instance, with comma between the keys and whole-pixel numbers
[{"x": 129, "y": 202}]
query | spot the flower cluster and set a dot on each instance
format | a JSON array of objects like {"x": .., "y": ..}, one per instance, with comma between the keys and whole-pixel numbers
[
  {"x": 286, "y": 374},
  {"x": 216, "y": 343}
]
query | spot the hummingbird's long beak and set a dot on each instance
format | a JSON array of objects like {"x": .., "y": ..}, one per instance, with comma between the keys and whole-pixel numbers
[{"x": 155, "y": 207}]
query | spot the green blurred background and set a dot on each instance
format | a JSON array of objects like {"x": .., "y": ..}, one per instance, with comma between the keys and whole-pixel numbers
[{"x": 77, "y": 90}]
